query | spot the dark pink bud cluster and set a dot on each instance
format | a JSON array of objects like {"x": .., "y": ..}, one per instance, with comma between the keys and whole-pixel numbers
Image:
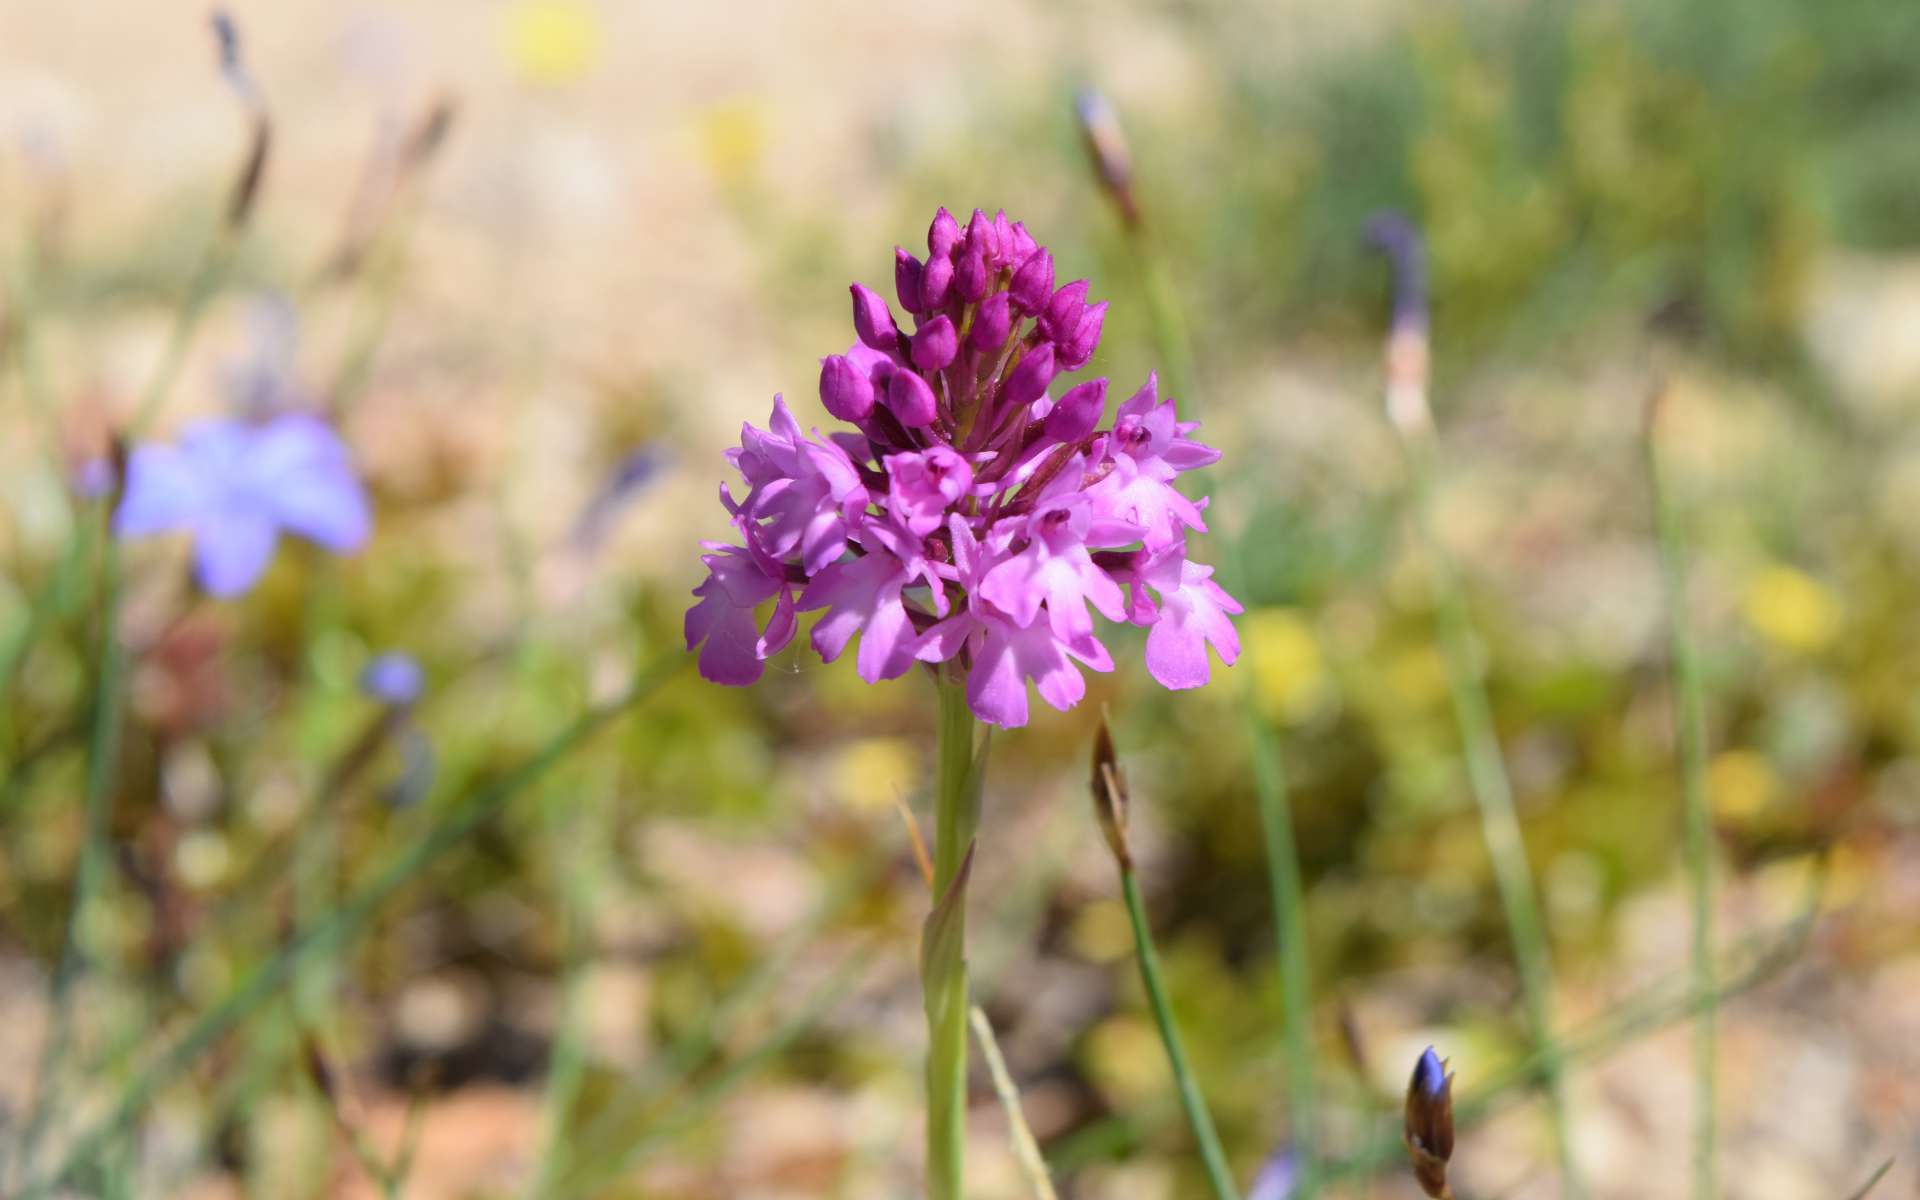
[{"x": 968, "y": 516}]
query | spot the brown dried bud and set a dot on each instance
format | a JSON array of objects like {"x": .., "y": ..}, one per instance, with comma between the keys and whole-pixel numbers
[
  {"x": 1110, "y": 796},
  {"x": 1429, "y": 1123}
]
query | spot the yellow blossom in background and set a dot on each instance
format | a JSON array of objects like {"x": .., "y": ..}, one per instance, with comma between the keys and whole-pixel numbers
[
  {"x": 1101, "y": 932},
  {"x": 1791, "y": 609},
  {"x": 1289, "y": 674},
  {"x": 1742, "y": 784},
  {"x": 1126, "y": 1061},
  {"x": 1418, "y": 676},
  {"x": 553, "y": 41},
  {"x": 873, "y": 772},
  {"x": 732, "y": 138}
]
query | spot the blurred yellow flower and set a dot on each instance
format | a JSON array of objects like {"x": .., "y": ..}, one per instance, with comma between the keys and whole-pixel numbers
[
  {"x": 553, "y": 41},
  {"x": 1742, "y": 784},
  {"x": 1289, "y": 674},
  {"x": 732, "y": 138},
  {"x": 1101, "y": 932},
  {"x": 872, "y": 772},
  {"x": 1125, "y": 1060},
  {"x": 1791, "y": 609},
  {"x": 1417, "y": 676}
]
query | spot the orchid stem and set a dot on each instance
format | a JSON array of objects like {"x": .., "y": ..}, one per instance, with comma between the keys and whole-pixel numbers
[{"x": 944, "y": 975}]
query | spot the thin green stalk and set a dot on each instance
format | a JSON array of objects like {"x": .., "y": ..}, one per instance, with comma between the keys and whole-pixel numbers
[
  {"x": 581, "y": 867},
  {"x": 1219, "y": 1174},
  {"x": 1690, "y": 720},
  {"x": 1284, "y": 878},
  {"x": 1290, "y": 931},
  {"x": 103, "y": 760},
  {"x": 1493, "y": 791},
  {"x": 338, "y": 925},
  {"x": 943, "y": 954},
  {"x": 1026, "y": 1149},
  {"x": 1873, "y": 1181}
]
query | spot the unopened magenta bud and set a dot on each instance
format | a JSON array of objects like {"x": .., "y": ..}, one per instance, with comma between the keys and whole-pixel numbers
[
  {"x": 983, "y": 238},
  {"x": 991, "y": 323},
  {"x": 1075, "y": 414},
  {"x": 1032, "y": 285},
  {"x": 1028, "y": 381},
  {"x": 872, "y": 320},
  {"x": 1079, "y": 346},
  {"x": 845, "y": 389},
  {"x": 971, "y": 275},
  {"x": 935, "y": 344},
  {"x": 1064, "y": 311},
  {"x": 906, "y": 279},
  {"x": 911, "y": 399},
  {"x": 936, "y": 283},
  {"x": 1017, "y": 244},
  {"x": 942, "y": 235}
]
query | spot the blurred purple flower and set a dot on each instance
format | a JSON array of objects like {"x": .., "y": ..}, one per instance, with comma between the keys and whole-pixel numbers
[
  {"x": 394, "y": 679},
  {"x": 1279, "y": 1177},
  {"x": 968, "y": 517},
  {"x": 629, "y": 477},
  {"x": 235, "y": 486}
]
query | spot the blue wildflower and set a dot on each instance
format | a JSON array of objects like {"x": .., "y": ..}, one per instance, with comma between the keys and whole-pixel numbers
[
  {"x": 1279, "y": 1177},
  {"x": 235, "y": 486},
  {"x": 394, "y": 679}
]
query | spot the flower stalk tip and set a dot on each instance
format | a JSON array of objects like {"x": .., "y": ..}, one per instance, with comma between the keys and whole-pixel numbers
[
  {"x": 1428, "y": 1128},
  {"x": 1110, "y": 797}
]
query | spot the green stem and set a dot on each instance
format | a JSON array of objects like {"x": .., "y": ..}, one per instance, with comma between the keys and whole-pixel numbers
[
  {"x": 956, "y": 813},
  {"x": 1290, "y": 930},
  {"x": 1691, "y": 727},
  {"x": 1215, "y": 1159},
  {"x": 103, "y": 759},
  {"x": 1493, "y": 791}
]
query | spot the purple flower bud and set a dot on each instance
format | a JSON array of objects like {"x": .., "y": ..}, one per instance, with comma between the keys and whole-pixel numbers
[
  {"x": 906, "y": 279},
  {"x": 991, "y": 324},
  {"x": 981, "y": 238},
  {"x": 910, "y": 399},
  {"x": 942, "y": 235},
  {"x": 872, "y": 320},
  {"x": 1078, "y": 347},
  {"x": 1028, "y": 381},
  {"x": 1063, "y": 311},
  {"x": 1018, "y": 244},
  {"x": 971, "y": 274},
  {"x": 936, "y": 283},
  {"x": 1033, "y": 283},
  {"x": 1429, "y": 1123},
  {"x": 844, "y": 389},
  {"x": 1075, "y": 414},
  {"x": 1003, "y": 238},
  {"x": 935, "y": 344}
]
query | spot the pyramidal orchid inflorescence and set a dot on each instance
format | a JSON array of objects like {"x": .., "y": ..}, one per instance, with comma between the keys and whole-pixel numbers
[{"x": 969, "y": 516}]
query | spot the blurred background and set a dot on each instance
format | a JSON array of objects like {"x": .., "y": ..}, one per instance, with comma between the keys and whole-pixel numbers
[{"x": 545, "y": 256}]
